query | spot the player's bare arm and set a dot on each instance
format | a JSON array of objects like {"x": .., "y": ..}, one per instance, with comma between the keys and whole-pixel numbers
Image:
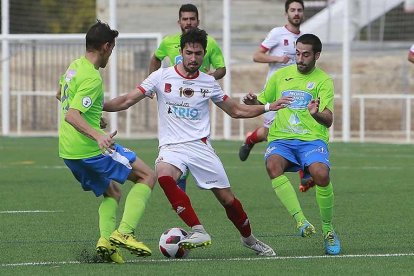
[
  {"x": 219, "y": 73},
  {"x": 324, "y": 118},
  {"x": 411, "y": 57},
  {"x": 123, "y": 102},
  {"x": 74, "y": 117},
  {"x": 154, "y": 65},
  {"x": 261, "y": 56},
  {"x": 238, "y": 110}
]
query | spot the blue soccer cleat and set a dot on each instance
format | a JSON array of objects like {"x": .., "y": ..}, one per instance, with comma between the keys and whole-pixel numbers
[{"x": 332, "y": 243}]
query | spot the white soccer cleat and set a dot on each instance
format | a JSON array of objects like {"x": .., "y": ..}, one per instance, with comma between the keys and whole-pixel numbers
[
  {"x": 260, "y": 248},
  {"x": 195, "y": 239}
]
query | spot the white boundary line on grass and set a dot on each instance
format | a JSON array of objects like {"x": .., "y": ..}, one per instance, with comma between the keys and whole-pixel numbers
[
  {"x": 224, "y": 259},
  {"x": 29, "y": 211}
]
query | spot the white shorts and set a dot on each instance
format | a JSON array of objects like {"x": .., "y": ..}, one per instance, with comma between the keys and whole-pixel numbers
[
  {"x": 269, "y": 117},
  {"x": 200, "y": 158}
]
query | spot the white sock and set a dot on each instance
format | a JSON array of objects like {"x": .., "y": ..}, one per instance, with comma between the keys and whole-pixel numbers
[
  {"x": 199, "y": 228},
  {"x": 250, "y": 240}
]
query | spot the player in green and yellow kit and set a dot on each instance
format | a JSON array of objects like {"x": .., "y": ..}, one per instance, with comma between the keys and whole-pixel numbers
[
  {"x": 298, "y": 137},
  {"x": 94, "y": 158},
  {"x": 170, "y": 47}
]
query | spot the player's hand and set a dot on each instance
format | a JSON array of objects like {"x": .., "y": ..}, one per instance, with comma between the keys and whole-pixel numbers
[
  {"x": 250, "y": 99},
  {"x": 313, "y": 106},
  {"x": 284, "y": 59},
  {"x": 281, "y": 103},
  {"x": 106, "y": 142},
  {"x": 103, "y": 123}
]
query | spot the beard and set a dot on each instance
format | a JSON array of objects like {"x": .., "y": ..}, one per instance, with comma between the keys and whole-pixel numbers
[
  {"x": 192, "y": 69},
  {"x": 295, "y": 21}
]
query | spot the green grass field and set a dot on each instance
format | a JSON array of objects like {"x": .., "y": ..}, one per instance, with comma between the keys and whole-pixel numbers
[{"x": 373, "y": 216}]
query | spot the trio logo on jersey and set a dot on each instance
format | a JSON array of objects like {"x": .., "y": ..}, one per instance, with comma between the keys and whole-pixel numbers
[
  {"x": 86, "y": 101},
  {"x": 186, "y": 92},
  {"x": 286, "y": 42},
  {"x": 167, "y": 87},
  {"x": 310, "y": 85},
  {"x": 184, "y": 112},
  {"x": 204, "y": 92}
]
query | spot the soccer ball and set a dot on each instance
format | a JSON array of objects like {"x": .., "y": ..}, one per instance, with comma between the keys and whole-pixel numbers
[{"x": 168, "y": 243}]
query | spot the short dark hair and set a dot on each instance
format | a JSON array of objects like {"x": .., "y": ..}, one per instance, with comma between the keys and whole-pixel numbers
[
  {"x": 99, "y": 34},
  {"x": 288, "y": 2},
  {"x": 311, "y": 39},
  {"x": 194, "y": 35},
  {"x": 188, "y": 8}
]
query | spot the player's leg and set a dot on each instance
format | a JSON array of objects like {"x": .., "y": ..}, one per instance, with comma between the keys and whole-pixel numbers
[
  {"x": 182, "y": 181},
  {"x": 89, "y": 172},
  {"x": 279, "y": 157},
  {"x": 238, "y": 217},
  {"x": 107, "y": 224},
  {"x": 257, "y": 136},
  {"x": 181, "y": 203},
  {"x": 319, "y": 167},
  {"x": 123, "y": 165}
]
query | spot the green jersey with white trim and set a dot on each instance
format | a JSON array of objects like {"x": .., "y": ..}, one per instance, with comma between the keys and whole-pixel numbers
[
  {"x": 295, "y": 121},
  {"x": 81, "y": 89},
  {"x": 170, "y": 47}
]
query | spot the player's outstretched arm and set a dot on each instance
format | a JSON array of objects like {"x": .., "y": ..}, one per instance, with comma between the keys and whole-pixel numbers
[
  {"x": 324, "y": 118},
  {"x": 219, "y": 73},
  {"x": 238, "y": 110},
  {"x": 123, "y": 102},
  {"x": 251, "y": 99}
]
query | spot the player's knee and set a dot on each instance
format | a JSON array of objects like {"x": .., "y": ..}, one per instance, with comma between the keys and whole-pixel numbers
[
  {"x": 150, "y": 178},
  {"x": 321, "y": 177}
]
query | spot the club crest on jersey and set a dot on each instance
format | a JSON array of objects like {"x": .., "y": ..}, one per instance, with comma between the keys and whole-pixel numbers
[
  {"x": 204, "y": 92},
  {"x": 310, "y": 85},
  {"x": 86, "y": 102},
  {"x": 286, "y": 42},
  {"x": 167, "y": 87},
  {"x": 187, "y": 92}
]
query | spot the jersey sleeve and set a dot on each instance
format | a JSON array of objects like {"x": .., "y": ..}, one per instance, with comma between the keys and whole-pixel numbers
[
  {"x": 218, "y": 93},
  {"x": 216, "y": 55},
  {"x": 149, "y": 85},
  {"x": 88, "y": 91},
  {"x": 161, "y": 51},
  {"x": 268, "y": 94},
  {"x": 271, "y": 39},
  {"x": 326, "y": 95}
]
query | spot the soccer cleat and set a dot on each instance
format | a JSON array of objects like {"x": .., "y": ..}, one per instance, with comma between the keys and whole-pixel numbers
[
  {"x": 107, "y": 252},
  {"x": 332, "y": 243},
  {"x": 305, "y": 229},
  {"x": 305, "y": 183},
  {"x": 129, "y": 242},
  {"x": 195, "y": 239},
  {"x": 244, "y": 151},
  {"x": 260, "y": 248}
]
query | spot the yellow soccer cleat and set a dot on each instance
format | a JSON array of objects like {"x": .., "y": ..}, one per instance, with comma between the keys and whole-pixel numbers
[
  {"x": 107, "y": 252},
  {"x": 129, "y": 242}
]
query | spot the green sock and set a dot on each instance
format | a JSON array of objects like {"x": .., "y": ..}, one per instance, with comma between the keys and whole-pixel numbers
[
  {"x": 134, "y": 207},
  {"x": 287, "y": 195},
  {"x": 107, "y": 216},
  {"x": 325, "y": 200}
]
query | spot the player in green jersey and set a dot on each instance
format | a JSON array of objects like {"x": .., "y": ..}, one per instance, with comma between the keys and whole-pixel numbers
[
  {"x": 94, "y": 158},
  {"x": 298, "y": 137},
  {"x": 170, "y": 48}
]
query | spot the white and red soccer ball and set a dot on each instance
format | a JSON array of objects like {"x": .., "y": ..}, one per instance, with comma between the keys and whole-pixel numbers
[{"x": 168, "y": 243}]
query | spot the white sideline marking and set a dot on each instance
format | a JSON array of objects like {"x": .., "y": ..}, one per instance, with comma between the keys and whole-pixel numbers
[
  {"x": 224, "y": 259},
  {"x": 29, "y": 211}
]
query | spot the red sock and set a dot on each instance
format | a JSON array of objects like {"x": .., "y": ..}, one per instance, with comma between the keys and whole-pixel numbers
[
  {"x": 239, "y": 218},
  {"x": 252, "y": 138},
  {"x": 179, "y": 200}
]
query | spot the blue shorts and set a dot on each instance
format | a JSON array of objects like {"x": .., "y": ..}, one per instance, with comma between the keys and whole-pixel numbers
[
  {"x": 300, "y": 153},
  {"x": 95, "y": 173}
]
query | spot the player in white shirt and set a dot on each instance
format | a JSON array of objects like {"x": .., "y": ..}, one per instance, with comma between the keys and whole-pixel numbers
[
  {"x": 411, "y": 54},
  {"x": 278, "y": 50},
  {"x": 183, "y": 94}
]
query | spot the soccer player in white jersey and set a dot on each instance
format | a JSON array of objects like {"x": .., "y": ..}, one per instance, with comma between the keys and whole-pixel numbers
[
  {"x": 278, "y": 50},
  {"x": 183, "y": 94},
  {"x": 411, "y": 54}
]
